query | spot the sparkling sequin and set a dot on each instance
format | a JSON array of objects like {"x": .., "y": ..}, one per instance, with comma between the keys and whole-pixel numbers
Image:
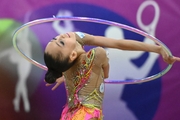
[{"x": 101, "y": 88}]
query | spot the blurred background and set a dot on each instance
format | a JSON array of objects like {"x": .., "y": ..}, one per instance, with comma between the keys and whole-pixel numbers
[{"x": 23, "y": 94}]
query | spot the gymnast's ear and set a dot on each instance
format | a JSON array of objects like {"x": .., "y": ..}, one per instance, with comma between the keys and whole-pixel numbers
[{"x": 73, "y": 56}]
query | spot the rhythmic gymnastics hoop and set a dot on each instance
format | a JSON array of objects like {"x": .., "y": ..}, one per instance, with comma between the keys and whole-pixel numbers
[{"x": 99, "y": 21}]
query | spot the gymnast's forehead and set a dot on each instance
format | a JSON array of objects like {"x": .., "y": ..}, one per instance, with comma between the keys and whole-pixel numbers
[{"x": 51, "y": 48}]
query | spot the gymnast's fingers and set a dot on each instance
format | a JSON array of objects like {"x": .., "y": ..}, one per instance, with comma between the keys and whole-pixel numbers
[
  {"x": 59, "y": 81},
  {"x": 47, "y": 84},
  {"x": 172, "y": 59},
  {"x": 177, "y": 59}
]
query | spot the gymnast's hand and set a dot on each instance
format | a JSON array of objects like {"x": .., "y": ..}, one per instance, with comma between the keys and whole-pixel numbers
[
  {"x": 168, "y": 59},
  {"x": 58, "y": 82}
]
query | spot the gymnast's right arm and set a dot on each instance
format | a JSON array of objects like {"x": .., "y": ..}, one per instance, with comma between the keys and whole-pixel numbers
[{"x": 123, "y": 44}]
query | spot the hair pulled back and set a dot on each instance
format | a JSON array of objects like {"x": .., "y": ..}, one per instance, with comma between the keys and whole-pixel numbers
[{"x": 56, "y": 66}]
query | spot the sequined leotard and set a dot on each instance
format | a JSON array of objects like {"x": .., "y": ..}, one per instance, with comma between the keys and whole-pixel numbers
[{"x": 85, "y": 88}]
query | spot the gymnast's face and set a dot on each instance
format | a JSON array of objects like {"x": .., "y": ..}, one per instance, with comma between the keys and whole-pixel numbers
[{"x": 64, "y": 45}]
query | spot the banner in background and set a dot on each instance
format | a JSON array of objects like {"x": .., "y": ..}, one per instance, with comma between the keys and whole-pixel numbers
[{"x": 23, "y": 94}]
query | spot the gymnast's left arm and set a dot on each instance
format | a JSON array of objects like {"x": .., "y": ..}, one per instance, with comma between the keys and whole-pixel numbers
[{"x": 58, "y": 82}]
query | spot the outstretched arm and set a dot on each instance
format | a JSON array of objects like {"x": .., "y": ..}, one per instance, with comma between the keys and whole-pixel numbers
[{"x": 122, "y": 44}]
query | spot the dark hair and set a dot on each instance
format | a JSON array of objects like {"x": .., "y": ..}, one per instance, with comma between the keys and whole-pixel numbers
[{"x": 56, "y": 65}]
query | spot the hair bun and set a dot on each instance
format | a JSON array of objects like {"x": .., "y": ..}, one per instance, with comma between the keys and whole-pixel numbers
[{"x": 51, "y": 76}]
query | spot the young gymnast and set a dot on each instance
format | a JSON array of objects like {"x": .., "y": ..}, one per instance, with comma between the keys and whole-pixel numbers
[{"x": 84, "y": 72}]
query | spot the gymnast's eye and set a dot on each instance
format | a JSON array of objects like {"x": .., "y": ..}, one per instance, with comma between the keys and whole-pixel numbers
[{"x": 62, "y": 42}]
